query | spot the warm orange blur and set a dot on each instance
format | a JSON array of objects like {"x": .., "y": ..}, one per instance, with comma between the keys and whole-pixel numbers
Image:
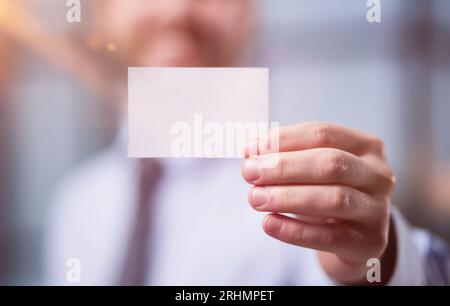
[{"x": 22, "y": 27}]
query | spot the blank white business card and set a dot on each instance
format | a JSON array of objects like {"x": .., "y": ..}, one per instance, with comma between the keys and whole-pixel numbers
[{"x": 195, "y": 112}]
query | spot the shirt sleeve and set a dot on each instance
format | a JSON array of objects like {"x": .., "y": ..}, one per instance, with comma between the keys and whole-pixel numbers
[
  {"x": 437, "y": 259},
  {"x": 410, "y": 264}
]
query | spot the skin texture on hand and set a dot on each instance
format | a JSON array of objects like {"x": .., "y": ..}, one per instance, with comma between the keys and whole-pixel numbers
[{"x": 338, "y": 184}]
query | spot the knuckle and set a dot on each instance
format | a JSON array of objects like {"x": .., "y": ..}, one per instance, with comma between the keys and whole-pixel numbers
[
  {"x": 321, "y": 134},
  {"x": 382, "y": 210},
  {"x": 389, "y": 180},
  {"x": 282, "y": 166},
  {"x": 340, "y": 199},
  {"x": 379, "y": 146},
  {"x": 282, "y": 197},
  {"x": 392, "y": 178},
  {"x": 299, "y": 235},
  {"x": 333, "y": 163}
]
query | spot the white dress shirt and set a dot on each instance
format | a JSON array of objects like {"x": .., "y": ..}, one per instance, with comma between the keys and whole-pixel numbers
[{"x": 205, "y": 232}]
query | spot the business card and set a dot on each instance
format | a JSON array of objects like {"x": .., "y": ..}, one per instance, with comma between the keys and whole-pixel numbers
[{"x": 196, "y": 112}]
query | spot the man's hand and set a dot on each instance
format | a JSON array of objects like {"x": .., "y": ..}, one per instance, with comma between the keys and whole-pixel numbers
[{"x": 338, "y": 183}]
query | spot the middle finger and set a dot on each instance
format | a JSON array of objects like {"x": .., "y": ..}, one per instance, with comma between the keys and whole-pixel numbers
[{"x": 315, "y": 166}]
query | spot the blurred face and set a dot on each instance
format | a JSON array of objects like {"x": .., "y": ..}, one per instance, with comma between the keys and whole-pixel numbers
[{"x": 179, "y": 32}]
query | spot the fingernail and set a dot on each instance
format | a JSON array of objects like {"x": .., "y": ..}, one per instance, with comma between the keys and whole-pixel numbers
[
  {"x": 260, "y": 196},
  {"x": 251, "y": 170},
  {"x": 273, "y": 224}
]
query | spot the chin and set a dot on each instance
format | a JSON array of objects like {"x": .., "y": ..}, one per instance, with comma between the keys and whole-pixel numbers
[
  {"x": 182, "y": 62},
  {"x": 173, "y": 62},
  {"x": 177, "y": 59}
]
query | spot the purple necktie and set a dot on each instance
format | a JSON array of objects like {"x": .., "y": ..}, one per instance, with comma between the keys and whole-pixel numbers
[{"x": 137, "y": 257}]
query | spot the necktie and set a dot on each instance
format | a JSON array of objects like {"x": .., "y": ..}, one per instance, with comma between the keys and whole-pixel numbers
[{"x": 137, "y": 257}]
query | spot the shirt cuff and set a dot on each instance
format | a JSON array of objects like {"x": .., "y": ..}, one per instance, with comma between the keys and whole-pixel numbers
[{"x": 409, "y": 267}]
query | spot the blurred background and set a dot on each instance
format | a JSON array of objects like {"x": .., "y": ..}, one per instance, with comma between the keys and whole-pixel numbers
[{"x": 327, "y": 63}]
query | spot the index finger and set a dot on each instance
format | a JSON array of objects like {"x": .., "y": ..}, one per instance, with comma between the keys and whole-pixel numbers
[{"x": 314, "y": 135}]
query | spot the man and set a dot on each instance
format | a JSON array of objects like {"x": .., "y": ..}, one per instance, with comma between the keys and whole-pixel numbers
[{"x": 195, "y": 227}]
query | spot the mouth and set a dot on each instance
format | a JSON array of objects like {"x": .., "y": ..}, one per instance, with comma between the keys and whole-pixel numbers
[{"x": 172, "y": 48}]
